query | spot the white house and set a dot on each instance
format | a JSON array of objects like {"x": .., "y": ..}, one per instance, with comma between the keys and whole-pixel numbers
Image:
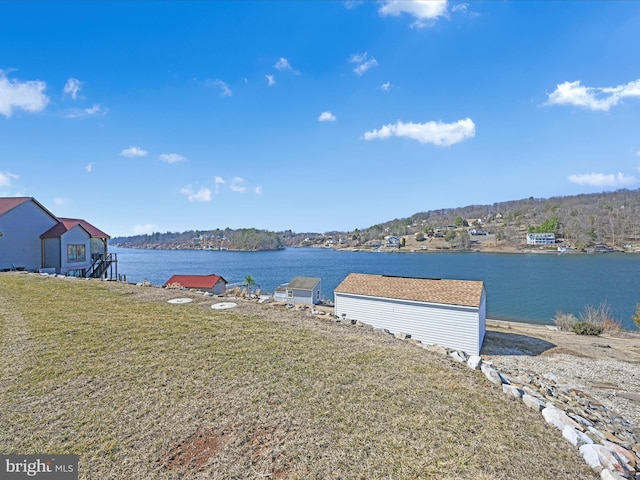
[
  {"x": 541, "y": 238},
  {"x": 451, "y": 313},
  {"x": 392, "y": 241},
  {"x": 300, "y": 290},
  {"x": 32, "y": 238}
]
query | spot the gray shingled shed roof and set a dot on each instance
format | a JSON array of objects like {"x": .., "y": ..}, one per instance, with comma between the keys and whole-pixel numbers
[
  {"x": 454, "y": 292},
  {"x": 303, "y": 283}
]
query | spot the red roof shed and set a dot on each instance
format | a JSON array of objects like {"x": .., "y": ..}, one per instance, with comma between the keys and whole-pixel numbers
[{"x": 209, "y": 283}]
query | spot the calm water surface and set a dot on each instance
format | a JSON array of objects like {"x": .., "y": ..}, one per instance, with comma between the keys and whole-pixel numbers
[{"x": 526, "y": 287}]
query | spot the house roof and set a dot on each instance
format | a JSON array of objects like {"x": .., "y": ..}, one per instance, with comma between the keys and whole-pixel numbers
[
  {"x": 195, "y": 281},
  {"x": 454, "y": 292},
  {"x": 303, "y": 283},
  {"x": 66, "y": 224},
  {"x": 9, "y": 203}
]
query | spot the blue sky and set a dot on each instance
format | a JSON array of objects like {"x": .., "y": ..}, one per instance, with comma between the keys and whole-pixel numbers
[{"x": 313, "y": 116}]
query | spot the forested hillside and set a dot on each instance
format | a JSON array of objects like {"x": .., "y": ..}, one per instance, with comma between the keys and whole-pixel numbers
[
  {"x": 247, "y": 239},
  {"x": 610, "y": 218}
]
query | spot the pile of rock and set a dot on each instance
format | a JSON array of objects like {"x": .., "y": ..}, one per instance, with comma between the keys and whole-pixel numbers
[{"x": 608, "y": 443}]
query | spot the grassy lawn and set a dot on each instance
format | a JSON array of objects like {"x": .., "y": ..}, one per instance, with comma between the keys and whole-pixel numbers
[{"x": 142, "y": 389}]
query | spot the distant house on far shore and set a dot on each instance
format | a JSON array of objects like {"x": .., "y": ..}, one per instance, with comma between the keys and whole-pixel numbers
[
  {"x": 541, "y": 238},
  {"x": 300, "y": 290},
  {"x": 213, "y": 283},
  {"x": 392, "y": 241}
]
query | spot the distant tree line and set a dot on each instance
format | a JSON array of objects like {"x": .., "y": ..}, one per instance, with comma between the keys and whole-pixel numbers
[{"x": 246, "y": 239}]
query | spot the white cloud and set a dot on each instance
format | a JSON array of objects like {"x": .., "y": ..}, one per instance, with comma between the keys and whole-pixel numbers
[
  {"x": 574, "y": 93},
  {"x": 425, "y": 12},
  {"x": 351, "y": 4},
  {"x": 145, "y": 229},
  {"x": 237, "y": 185},
  {"x": 72, "y": 87},
  {"x": 5, "y": 179},
  {"x": 327, "y": 117},
  {"x": 638, "y": 153},
  {"x": 385, "y": 87},
  {"x": 364, "y": 63},
  {"x": 171, "y": 157},
  {"x": 28, "y": 96},
  {"x": 133, "y": 152},
  {"x": 95, "y": 111},
  {"x": 225, "y": 91},
  {"x": 358, "y": 57},
  {"x": 202, "y": 195},
  {"x": 282, "y": 65},
  {"x": 258, "y": 190},
  {"x": 89, "y": 167},
  {"x": 603, "y": 179},
  {"x": 219, "y": 181},
  {"x": 270, "y": 80},
  {"x": 460, "y": 7},
  {"x": 58, "y": 201},
  {"x": 437, "y": 133}
]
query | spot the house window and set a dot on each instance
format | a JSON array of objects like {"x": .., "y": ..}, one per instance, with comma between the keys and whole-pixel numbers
[
  {"x": 76, "y": 253},
  {"x": 290, "y": 293},
  {"x": 78, "y": 272}
]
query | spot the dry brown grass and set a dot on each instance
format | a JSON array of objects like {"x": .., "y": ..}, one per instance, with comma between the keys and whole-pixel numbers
[{"x": 140, "y": 388}]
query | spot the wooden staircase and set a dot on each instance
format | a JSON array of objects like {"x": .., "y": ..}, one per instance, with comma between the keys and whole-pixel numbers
[{"x": 100, "y": 266}]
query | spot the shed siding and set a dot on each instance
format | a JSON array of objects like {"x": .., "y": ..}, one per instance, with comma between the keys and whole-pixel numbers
[
  {"x": 304, "y": 297},
  {"x": 448, "y": 325},
  {"x": 219, "y": 288},
  {"x": 21, "y": 228},
  {"x": 482, "y": 319}
]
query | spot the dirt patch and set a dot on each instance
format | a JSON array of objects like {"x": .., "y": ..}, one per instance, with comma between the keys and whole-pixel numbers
[
  {"x": 505, "y": 338},
  {"x": 563, "y": 351},
  {"x": 195, "y": 452},
  {"x": 506, "y": 343}
]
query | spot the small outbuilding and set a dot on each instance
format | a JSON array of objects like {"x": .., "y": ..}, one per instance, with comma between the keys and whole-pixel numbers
[
  {"x": 451, "y": 313},
  {"x": 213, "y": 283},
  {"x": 300, "y": 290}
]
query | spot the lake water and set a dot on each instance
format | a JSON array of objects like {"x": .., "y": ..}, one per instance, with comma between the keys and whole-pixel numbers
[{"x": 524, "y": 287}]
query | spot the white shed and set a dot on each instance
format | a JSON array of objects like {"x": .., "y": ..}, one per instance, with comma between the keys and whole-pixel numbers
[
  {"x": 300, "y": 290},
  {"x": 451, "y": 313}
]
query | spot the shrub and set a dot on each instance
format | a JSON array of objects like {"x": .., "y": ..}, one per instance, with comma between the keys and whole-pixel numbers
[
  {"x": 596, "y": 315},
  {"x": 636, "y": 316},
  {"x": 611, "y": 326},
  {"x": 586, "y": 328},
  {"x": 564, "y": 321}
]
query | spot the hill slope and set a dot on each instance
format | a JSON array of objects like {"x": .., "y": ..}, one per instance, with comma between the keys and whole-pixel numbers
[{"x": 140, "y": 388}]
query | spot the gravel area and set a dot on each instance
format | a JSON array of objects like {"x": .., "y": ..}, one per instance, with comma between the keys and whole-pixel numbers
[
  {"x": 604, "y": 367},
  {"x": 598, "y": 378}
]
